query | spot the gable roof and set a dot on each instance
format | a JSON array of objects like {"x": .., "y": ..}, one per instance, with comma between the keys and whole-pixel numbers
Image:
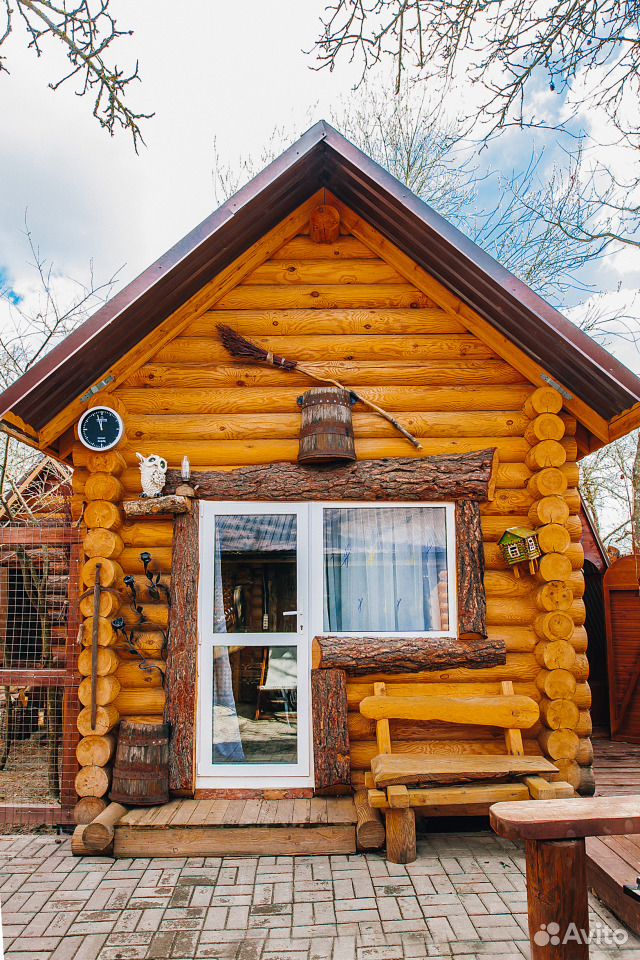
[{"x": 322, "y": 158}]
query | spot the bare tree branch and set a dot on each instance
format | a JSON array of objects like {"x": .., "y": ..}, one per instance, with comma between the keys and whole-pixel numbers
[
  {"x": 86, "y": 31},
  {"x": 33, "y": 325},
  {"x": 587, "y": 52},
  {"x": 516, "y": 217}
]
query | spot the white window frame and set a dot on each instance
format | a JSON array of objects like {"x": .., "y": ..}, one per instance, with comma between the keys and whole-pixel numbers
[
  {"x": 316, "y": 540},
  {"x": 237, "y": 775}
]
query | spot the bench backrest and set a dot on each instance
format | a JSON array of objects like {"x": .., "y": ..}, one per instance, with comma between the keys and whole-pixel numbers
[{"x": 512, "y": 713}]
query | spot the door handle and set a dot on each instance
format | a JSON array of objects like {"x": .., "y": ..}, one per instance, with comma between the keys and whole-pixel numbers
[{"x": 295, "y": 613}]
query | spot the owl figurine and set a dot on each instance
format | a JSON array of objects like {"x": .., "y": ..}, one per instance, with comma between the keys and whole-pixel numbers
[{"x": 153, "y": 471}]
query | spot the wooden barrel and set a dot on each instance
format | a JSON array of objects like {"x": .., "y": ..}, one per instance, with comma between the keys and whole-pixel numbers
[
  {"x": 141, "y": 768},
  {"x": 327, "y": 428}
]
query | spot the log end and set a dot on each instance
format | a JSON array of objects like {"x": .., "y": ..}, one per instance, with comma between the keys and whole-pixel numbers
[{"x": 157, "y": 506}]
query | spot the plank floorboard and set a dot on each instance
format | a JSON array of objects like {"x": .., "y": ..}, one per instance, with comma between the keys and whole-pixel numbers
[
  {"x": 318, "y": 811},
  {"x": 202, "y": 813},
  {"x": 340, "y": 810},
  {"x": 169, "y": 810},
  {"x": 285, "y": 812},
  {"x": 251, "y": 811},
  {"x": 234, "y": 812},
  {"x": 184, "y": 813},
  {"x": 218, "y": 811},
  {"x": 301, "y": 811},
  {"x": 132, "y": 817},
  {"x": 156, "y": 815}
]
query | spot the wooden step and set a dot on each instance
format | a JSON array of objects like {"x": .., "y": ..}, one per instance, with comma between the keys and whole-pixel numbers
[{"x": 211, "y": 828}]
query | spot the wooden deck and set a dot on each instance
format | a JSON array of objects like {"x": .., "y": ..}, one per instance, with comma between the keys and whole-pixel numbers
[
  {"x": 616, "y": 767},
  {"x": 614, "y": 861},
  {"x": 211, "y": 828}
]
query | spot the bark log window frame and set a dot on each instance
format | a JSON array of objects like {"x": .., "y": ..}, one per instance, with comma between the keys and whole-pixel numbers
[{"x": 467, "y": 479}]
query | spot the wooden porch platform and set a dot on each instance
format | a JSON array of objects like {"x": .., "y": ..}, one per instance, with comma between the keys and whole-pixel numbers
[
  {"x": 213, "y": 828},
  {"x": 614, "y": 861}
]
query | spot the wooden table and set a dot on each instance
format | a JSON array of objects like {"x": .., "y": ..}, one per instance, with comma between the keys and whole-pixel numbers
[{"x": 554, "y": 832}]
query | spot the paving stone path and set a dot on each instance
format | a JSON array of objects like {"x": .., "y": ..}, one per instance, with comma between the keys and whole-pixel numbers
[{"x": 464, "y": 897}]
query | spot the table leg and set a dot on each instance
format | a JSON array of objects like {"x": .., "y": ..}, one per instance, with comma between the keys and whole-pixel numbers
[{"x": 557, "y": 899}]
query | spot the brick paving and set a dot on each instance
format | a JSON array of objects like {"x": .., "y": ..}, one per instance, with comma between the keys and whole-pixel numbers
[{"x": 463, "y": 898}]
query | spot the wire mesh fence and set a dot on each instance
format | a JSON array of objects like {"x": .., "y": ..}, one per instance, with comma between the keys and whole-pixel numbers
[{"x": 39, "y": 569}]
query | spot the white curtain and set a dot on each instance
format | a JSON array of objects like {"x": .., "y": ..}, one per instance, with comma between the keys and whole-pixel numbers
[
  {"x": 227, "y": 742},
  {"x": 381, "y": 569}
]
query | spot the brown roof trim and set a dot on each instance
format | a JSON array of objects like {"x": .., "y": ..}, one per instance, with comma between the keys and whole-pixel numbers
[
  {"x": 587, "y": 516},
  {"x": 323, "y": 158}
]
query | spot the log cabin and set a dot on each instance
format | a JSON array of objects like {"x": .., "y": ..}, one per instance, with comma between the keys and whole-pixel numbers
[{"x": 263, "y": 605}]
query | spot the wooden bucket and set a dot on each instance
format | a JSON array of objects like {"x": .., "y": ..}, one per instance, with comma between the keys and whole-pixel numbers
[
  {"x": 141, "y": 768},
  {"x": 327, "y": 428}
]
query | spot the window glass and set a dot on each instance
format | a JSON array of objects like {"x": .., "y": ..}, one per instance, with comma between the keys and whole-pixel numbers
[
  {"x": 255, "y": 716},
  {"x": 385, "y": 569},
  {"x": 255, "y": 587}
]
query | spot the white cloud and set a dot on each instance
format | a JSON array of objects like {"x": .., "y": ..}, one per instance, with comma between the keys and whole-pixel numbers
[{"x": 208, "y": 69}]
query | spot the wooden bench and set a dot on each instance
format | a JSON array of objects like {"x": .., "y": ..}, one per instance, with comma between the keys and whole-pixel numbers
[
  {"x": 443, "y": 785},
  {"x": 554, "y": 835}
]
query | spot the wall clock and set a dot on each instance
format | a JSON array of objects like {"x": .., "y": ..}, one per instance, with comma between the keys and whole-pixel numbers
[{"x": 100, "y": 428}]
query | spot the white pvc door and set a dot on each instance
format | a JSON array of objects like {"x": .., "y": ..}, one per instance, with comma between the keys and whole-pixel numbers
[{"x": 254, "y": 671}]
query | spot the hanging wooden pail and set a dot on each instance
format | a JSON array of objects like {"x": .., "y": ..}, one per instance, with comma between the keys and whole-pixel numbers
[
  {"x": 141, "y": 768},
  {"x": 327, "y": 428}
]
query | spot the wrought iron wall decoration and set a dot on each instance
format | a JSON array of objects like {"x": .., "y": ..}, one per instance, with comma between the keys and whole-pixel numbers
[{"x": 154, "y": 587}]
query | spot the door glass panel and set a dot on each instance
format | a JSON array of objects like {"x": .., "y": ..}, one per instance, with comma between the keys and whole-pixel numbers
[
  {"x": 255, "y": 588},
  {"x": 255, "y": 716},
  {"x": 385, "y": 569}
]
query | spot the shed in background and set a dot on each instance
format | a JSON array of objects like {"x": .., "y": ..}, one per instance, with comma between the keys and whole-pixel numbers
[{"x": 622, "y": 613}]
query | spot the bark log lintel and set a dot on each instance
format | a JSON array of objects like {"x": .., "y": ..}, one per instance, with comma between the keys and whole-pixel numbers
[
  {"x": 468, "y": 476},
  {"x": 359, "y": 656}
]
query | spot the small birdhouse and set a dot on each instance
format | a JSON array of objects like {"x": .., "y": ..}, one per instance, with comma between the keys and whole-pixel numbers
[{"x": 520, "y": 545}]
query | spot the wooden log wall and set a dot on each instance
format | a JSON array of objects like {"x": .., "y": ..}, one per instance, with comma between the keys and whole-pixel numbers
[
  {"x": 123, "y": 688},
  {"x": 559, "y": 624},
  {"x": 349, "y": 315},
  {"x": 102, "y": 546}
]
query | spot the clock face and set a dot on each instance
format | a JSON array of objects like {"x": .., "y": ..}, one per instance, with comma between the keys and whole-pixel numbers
[{"x": 100, "y": 428}]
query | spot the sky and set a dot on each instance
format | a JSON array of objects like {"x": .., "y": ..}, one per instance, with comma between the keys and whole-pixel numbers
[{"x": 211, "y": 72}]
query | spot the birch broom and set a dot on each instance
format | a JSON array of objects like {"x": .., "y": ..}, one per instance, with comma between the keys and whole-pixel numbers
[{"x": 246, "y": 350}]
